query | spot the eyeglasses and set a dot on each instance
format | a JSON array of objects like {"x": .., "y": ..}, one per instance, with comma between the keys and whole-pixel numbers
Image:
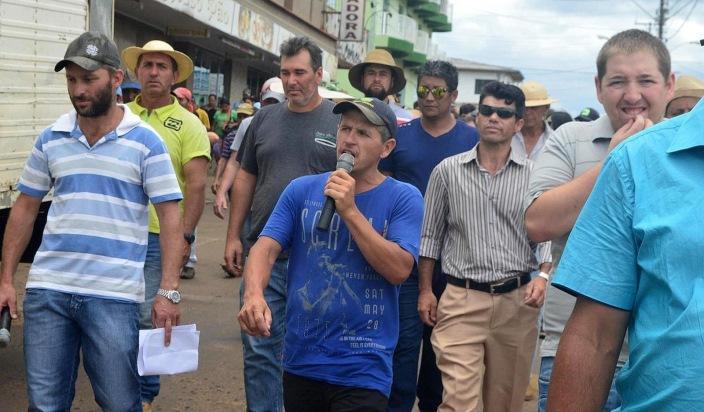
[
  {"x": 438, "y": 92},
  {"x": 502, "y": 112}
]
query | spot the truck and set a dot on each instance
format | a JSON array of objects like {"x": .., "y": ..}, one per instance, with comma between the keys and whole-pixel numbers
[{"x": 34, "y": 35}]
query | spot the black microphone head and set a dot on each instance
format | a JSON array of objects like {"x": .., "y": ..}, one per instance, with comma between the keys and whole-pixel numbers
[{"x": 345, "y": 162}]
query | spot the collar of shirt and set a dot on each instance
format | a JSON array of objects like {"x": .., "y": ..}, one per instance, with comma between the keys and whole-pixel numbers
[
  {"x": 471, "y": 156},
  {"x": 161, "y": 113},
  {"x": 690, "y": 133},
  {"x": 68, "y": 123},
  {"x": 519, "y": 140}
]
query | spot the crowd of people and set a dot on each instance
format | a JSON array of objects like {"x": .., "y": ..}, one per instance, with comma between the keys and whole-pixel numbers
[{"x": 446, "y": 260}]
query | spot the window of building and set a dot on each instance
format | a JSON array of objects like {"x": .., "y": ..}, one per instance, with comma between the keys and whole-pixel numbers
[{"x": 479, "y": 85}]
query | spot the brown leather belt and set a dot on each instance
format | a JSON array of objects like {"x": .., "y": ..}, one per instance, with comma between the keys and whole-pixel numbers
[{"x": 501, "y": 286}]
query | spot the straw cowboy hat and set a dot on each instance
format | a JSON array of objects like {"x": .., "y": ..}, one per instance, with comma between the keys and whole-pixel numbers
[
  {"x": 688, "y": 86},
  {"x": 384, "y": 58},
  {"x": 536, "y": 94},
  {"x": 184, "y": 64}
]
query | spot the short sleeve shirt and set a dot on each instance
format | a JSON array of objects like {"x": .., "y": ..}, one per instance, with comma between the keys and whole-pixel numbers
[
  {"x": 637, "y": 246},
  {"x": 185, "y": 138},
  {"x": 95, "y": 239},
  {"x": 342, "y": 316}
]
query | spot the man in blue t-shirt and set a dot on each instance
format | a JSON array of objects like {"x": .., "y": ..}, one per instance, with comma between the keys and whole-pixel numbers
[
  {"x": 422, "y": 144},
  {"x": 342, "y": 307}
]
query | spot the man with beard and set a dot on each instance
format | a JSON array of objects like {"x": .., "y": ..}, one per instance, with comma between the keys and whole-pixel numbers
[
  {"x": 422, "y": 144},
  {"x": 158, "y": 67},
  {"x": 284, "y": 141},
  {"x": 86, "y": 282},
  {"x": 379, "y": 76}
]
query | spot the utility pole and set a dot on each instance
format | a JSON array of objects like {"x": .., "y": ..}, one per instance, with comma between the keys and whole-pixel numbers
[{"x": 662, "y": 19}]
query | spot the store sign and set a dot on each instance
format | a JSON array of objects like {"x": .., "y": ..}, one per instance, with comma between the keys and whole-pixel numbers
[
  {"x": 352, "y": 20},
  {"x": 215, "y": 13}
]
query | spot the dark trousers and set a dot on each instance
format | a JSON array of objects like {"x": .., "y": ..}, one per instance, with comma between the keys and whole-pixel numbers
[
  {"x": 429, "y": 388},
  {"x": 309, "y": 395}
]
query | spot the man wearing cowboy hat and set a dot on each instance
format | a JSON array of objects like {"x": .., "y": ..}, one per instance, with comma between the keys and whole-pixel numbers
[
  {"x": 379, "y": 76},
  {"x": 158, "y": 67},
  {"x": 688, "y": 91},
  {"x": 530, "y": 140},
  {"x": 86, "y": 281}
]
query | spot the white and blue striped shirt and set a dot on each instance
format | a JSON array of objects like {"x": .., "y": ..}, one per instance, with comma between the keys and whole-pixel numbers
[{"x": 95, "y": 239}]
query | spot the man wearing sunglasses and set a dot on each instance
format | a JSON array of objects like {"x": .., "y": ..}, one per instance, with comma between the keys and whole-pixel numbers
[
  {"x": 633, "y": 83},
  {"x": 422, "y": 143},
  {"x": 486, "y": 321}
]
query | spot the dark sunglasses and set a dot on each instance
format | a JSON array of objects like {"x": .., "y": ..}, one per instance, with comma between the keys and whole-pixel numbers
[
  {"x": 502, "y": 112},
  {"x": 438, "y": 92}
]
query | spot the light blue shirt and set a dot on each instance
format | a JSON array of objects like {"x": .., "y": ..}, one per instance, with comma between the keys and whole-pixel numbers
[
  {"x": 95, "y": 239},
  {"x": 638, "y": 245}
]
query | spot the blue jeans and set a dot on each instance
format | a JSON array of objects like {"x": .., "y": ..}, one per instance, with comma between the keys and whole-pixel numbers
[
  {"x": 149, "y": 385},
  {"x": 546, "y": 364},
  {"x": 263, "y": 370},
  {"x": 57, "y": 326},
  {"x": 405, "y": 362}
]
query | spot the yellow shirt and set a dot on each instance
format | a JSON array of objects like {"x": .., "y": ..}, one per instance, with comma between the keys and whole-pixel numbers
[
  {"x": 185, "y": 138},
  {"x": 203, "y": 116}
]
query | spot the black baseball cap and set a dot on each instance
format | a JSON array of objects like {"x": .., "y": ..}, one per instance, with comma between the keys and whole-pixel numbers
[
  {"x": 373, "y": 109},
  {"x": 587, "y": 115},
  {"x": 91, "y": 50}
]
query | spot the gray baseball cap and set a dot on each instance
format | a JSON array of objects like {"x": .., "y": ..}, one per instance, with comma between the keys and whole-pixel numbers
[
  {"x": 91, "y": 50},
  {"x": 373, "y": 109}
]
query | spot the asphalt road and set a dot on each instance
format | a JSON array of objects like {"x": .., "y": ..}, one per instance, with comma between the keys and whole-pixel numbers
[{"x": 209, "y": 300}]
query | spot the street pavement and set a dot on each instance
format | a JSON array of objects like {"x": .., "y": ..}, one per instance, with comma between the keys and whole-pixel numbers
[{"x": 210, "y": 301}]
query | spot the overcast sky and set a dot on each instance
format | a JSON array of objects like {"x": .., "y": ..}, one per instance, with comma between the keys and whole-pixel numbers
[{"x": 556, "y": 42}]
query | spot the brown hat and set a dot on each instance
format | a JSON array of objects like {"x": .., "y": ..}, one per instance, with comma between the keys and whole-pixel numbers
[
  {"x": 536, "y": 94},
  {"x": 184, "y": 64},
  {"x": 381, "y": 57}
]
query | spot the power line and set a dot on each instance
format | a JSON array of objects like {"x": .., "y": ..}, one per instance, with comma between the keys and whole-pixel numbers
[{"x": 694, "y": 4}]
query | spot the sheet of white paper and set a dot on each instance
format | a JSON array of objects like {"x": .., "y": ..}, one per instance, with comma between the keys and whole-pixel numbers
[{"x": 179, "y": 357}]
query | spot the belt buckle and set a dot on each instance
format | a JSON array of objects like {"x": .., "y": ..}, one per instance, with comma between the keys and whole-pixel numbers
[{"x": 496, "y": 285}]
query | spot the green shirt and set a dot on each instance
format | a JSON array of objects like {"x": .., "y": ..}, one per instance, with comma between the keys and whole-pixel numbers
[
  {"x": 219, "y": 119},
  {"x": 185, "y": 138}
]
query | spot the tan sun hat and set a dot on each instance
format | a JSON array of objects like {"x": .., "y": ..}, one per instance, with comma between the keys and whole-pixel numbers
[
  {"x": 184, "y": 64},
  {"x": 381, "y": 57},
  {"x": 688, "y": 86},
  {"x": 536, "y": 94}
]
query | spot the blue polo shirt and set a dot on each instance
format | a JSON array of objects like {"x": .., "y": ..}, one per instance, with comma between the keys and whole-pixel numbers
[
  {"x": 638, "y": 245},
  {"x": 95, "y": 239}
]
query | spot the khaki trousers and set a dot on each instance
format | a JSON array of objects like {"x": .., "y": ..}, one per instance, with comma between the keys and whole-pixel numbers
[{"x": 484, "y": 345}]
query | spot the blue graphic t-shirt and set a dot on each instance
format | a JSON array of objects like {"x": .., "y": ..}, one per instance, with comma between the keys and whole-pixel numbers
[
  {"x": 342, "y": 316},
  {"x": 417, "y": 153}
]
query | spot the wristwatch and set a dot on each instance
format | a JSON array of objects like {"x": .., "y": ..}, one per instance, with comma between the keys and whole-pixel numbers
[
  {"x": 190, "y": 237},
  {"x": 172, "y": 295}
]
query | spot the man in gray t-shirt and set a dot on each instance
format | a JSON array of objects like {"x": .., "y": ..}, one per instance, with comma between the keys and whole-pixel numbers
[
  {"x": 284, "y": 141},
  {"x": 633, "y": 83}
]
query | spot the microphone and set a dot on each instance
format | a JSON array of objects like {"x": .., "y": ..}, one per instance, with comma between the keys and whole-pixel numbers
[
  {"x": 5, "y": 322},
  {"x": 346, "y": 163}
]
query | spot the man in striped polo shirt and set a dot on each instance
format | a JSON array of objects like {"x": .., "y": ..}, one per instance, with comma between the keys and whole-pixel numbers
[
  {"x": 86, "y": 282},
  {"x": 486, "y": 320}
]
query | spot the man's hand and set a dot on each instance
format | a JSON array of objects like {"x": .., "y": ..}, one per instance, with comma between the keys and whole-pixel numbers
[
  {"x": 427, "y": 307},
  {"x": 220, "y": 205},
  {"x": 535, "y": 292},
  {"x": 631, "y": 127},
  {"x": 8, "y": 297},
  {"x": 165, "y": 314},
  {"x": 340, "y": 187},
  {"x": 215, "y": 186},
  {"x": 255, "y": 316},
  {"x": 234, "y": 257}
]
